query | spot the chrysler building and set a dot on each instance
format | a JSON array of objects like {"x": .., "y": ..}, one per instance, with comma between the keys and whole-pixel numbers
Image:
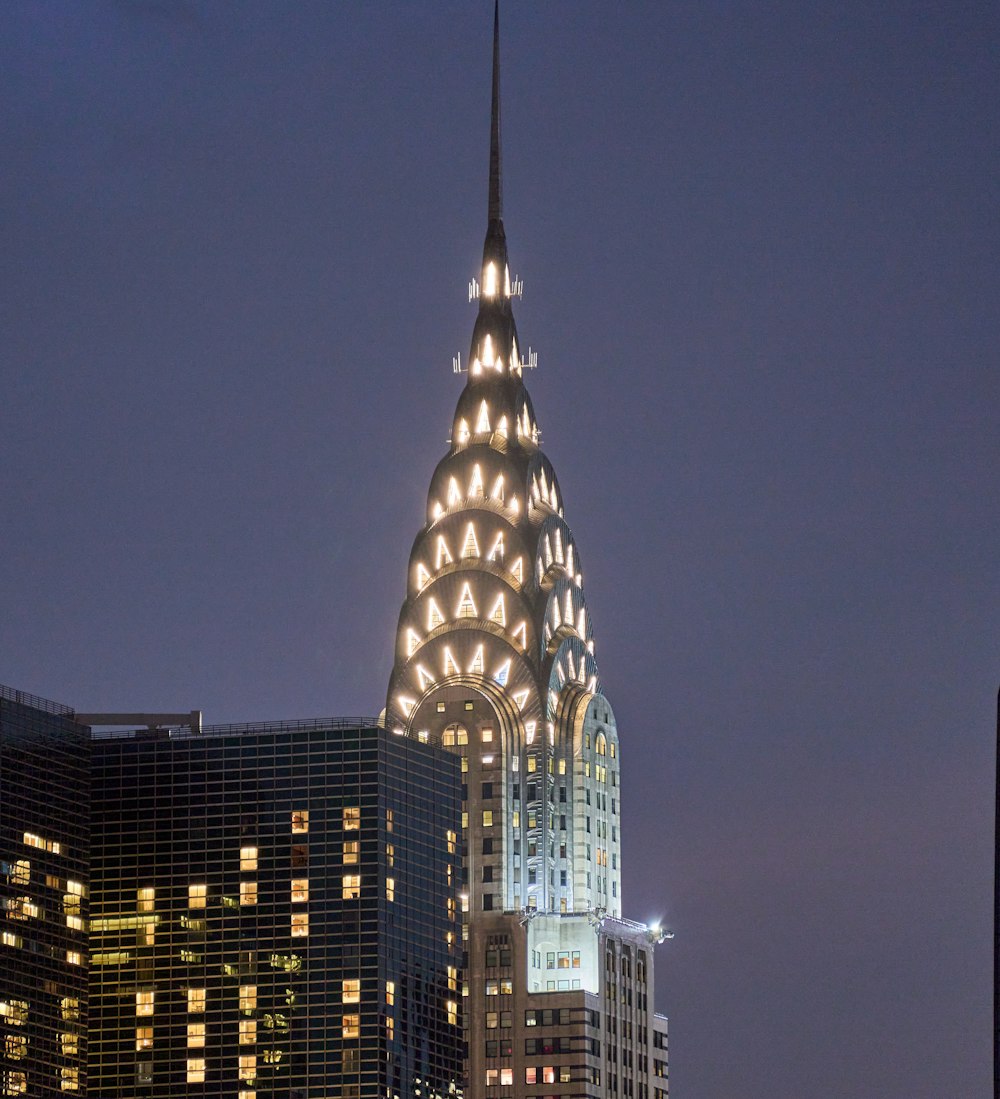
[{"x": 496, "y": 660}]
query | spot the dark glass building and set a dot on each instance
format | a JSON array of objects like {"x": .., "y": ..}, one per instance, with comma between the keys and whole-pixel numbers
[
  {"x": 44, "y": 851},
  {"x": 274, "y": 914}
]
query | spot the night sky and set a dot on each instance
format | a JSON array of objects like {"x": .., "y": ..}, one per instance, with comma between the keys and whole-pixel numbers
[{"x": 759, "y": 248}]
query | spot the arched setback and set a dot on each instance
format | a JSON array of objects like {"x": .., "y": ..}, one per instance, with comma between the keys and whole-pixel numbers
[
  {"x": 493, "y": 832},
  {"x": 597, "y": 807}
]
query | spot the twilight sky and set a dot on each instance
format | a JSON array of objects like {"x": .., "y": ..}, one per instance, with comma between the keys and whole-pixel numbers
[{"x": 759, "y": 249}]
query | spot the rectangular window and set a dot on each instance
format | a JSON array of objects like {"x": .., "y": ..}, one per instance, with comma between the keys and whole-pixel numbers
[
  {"x": 143, "y": 1039},
  {"x": 196, "y": 1070},
  {"x": 248, "y": 892},
  {"x": 487, "y": 818},
  {"x": 143, "y": 1003},
  {"x": 248, "y": 1066},
  {"x": 352, "y": 851},
  {"x": 390, "y": 889},
  {"x": 390, "y": 992},
  {"x": 300, "y": 890},
  {"x": 248, "y": 858},
  {"x": 352, "y": 818},
  {"x": 300, "y": 820},
  {"x": 197, "y": 895},
  {"x": 195, "y": 1035},
  {"x": 487, "y": 736},
  {"x": 451, "y": 1007},
  {"x": 248, "y": 998},
  {"x": 351, "y": 1026},
  {"x": 248, "y": 1032},
  {"x": 145, "y": 900},
  {"x": 351, "y": 887},
  {"x": 300, "y": 924},
  {"x": 196, "y": 1000},
  {"x": 351, "y": 993}
]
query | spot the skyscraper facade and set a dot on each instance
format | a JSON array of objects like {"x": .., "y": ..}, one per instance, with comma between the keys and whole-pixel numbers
[
  {"x": 274, "y": 914},
  {"x": 495, "y": 660},
  {"x": 44, "y": 877}
]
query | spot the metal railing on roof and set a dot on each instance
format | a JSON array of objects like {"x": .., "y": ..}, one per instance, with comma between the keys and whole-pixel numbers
[
  {"x": 34, "y": 701},
  {"x": 245, "y": 729}
]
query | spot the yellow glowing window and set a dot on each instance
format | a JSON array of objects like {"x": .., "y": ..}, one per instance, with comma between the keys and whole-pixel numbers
[
  {"x": 197, "y": 895},
  {"x": 532, "y": 763},
  {"x": 196, "y": 1000},
  {"x": 248, "y": 1032},
  {"x": 475, "y": 489},
  {"x": 470, "y": 548},
  {"x": 244, "y": 1094},
  {"x": 74, "y": 957},
  {"x": 412, "y": 642},
  {"x": 300, "y": 820},
  {"x": 351, "y": 993},
  {"x": 390, "y": 992},
  {"x": 248, "y": 858},
  {"x": 69, "y": 1079},
  {"x": 466, "y": 606},
  {"x": 248, "y": 998},
  {"x": 195, "y": 1035},
  {"x": 144, "y": 1038},
  {"x": 143, "y": 1003},
  {"x": 352, "y": 1026},
  {"x": 145, "y": 899},
  {"x": 196, "y": 1070},
  {"x": 352, "y": 818},
  {"x": 300, "y": 890},
  {"x": 300, "y": 924},
  {"x": 390, "y": 1027},
  {"x": 21, "y": 872},
  {"x": 465, "y": 819},
  {"x": 352, "y": 850},
  {"x": 351, "y": 887},
  {"x": 452, "y": 840},
  {"x": 487, "y": 818},
  {"x": 477, "y": 667},
  {"x": 8, "y": 938},
  {"x": 515, "y": 818},
  {"x": 248, "y": 892},
  {"x": 390, "y": 816},
  {"x": 390, "y": 889},
  {"x": 15, "y": 1047},
  {"x": 487, "y": 735},
  {"x": 69, "y": 1008},
  {"x": 69, "y": 1044}
]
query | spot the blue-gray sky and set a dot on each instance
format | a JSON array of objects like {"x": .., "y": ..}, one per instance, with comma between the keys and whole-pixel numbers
[{"x": 759, "y": 250}]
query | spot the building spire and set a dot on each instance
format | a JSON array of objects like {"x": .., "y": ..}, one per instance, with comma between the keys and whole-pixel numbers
[{"x": 496, "y": 186}]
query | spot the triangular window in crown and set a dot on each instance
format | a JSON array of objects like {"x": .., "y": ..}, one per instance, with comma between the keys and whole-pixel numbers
[
  {"x": 476, "y": 481},
  {"x": 502, "y": 674},
  {"x": 517, "y": 569},
  {"x": 443, "y": 553},
  {"x": 423, "y": 576},
  {"x": 434, "y": 615},
  {"x": 559, "y": 546},
  {"x": 454, "y": 492},
  {"x": 483, "y": 422},
  {"x": 407, "y": 704},
  {"x": 466, "y": 606},
  {"x": 499, "y": 612},
  {"x": 502, "y": 427},
  {"x": 496, "y": 493},
  {"x": 412, "y": 642},
  {"x": 487, "y": 352},
  {"x": 471, "y": 546},
  {"x": 450, "y": 667},
  {"x": 497, "y": 550},
  {"x": 476, "y": 667},
  {"x": 425, "y": 677},
  {"x": 521, "y": 634},
  {"x": 521, "y": 698}
]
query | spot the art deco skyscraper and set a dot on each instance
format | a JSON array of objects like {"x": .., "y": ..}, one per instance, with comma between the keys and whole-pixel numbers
[{"x": 495, "y": 659}]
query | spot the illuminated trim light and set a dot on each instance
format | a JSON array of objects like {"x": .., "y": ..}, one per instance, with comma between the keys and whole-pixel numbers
[
  {"x": 490, "y": 281},
  {"x": 476, "y": 481},
  {"x": 517, "y": 570},
  {"x": 496, "y": 493},
  {"x": 529, "y": 731},
  {"x": 434, "y": 615},
  {"x": 407, "y": 704},
  {"x": 450, "y": 667},
  {"x": 502, "y": 427},
  {"x": 476, "y": 667},
  {"x": 483, "y": 422},
  {"x": 425, "y": 677},
  {"x": 471, "y": 547},
  {"x": 423, "y": 576},
  {"x": 462, "y": 432},
  {"x": 437, "y": 511},
  {"x": 443, "y": 553},
  {"x": 568, "y": 613},
  {"x": 454, "y": 493},
  {"x": 497, "y": 548},
  {"x": 502, "y": 674},
  {"x": 488, "y": 354},
  {"x": 412, "y": 642},
  {"x": 522, "y": 633},
  {"x": 521, "y": 698}
]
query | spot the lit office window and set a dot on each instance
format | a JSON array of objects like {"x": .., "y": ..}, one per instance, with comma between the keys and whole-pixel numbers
[
  {"x": 248, "y": 998},
  {"x": 248, "y": 858},
  {"x": 352, "y": 818},
  {"x": 451, "y": 1007},
  {"x": 248, "y": 892},
  {"x": 351, "y": 887},
  {"x": 145, "y": 899},
  {"x": 196, "y": 1000},
  {"x": 15, "y": 1047},
  {"x": 352, "y": 849},
  {"x": 390, "y": 889},
  {"x": 352, "y": 1026},
  {"x": 300, "y": 890},
  {"x": 144, "y": 1002},
  {"x": 300, "y": 820},
  {"x": 196, "y": 1070},
  {"x": 248, "y": 1032},
  {"x": 69, "y": 1079},
  {"x": 143, "y": 1038},
  {"x": 248, "y": 1066},
  {"x": 351, "y": 990},
  {"x": 195, "y": 1035},
  {"x": 300, "y": 924},
  {"x": 197, "y": 895},
  {"x": 390, "y": 992}
]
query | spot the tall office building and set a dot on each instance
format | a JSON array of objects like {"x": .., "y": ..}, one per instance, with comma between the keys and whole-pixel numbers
[
  {"x": 274, "y": 914},
  {"x": 495, "y": 660},
  {"x": 44, "y": 858}
]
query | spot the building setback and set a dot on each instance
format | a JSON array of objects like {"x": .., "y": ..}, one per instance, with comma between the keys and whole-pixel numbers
[
  {"x": 44, "y": 860},
  {"x": 495, "y": 661}
]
